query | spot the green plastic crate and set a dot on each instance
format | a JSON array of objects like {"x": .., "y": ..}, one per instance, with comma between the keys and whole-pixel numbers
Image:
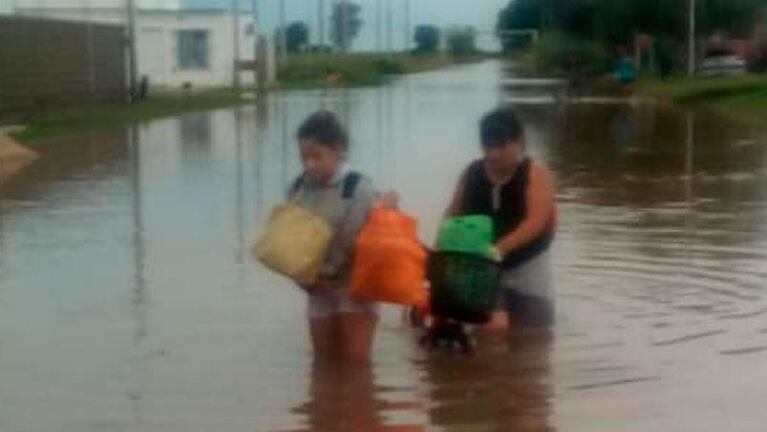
[{"x": 466, "y": 234}]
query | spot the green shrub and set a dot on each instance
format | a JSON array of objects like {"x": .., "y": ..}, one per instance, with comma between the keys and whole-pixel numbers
[{"x": 554, "y": 51}]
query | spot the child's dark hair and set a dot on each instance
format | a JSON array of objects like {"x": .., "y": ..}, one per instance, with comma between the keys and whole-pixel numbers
[
  {"x": 324, "y": 128},
  {"x": 499, "y": 127}
]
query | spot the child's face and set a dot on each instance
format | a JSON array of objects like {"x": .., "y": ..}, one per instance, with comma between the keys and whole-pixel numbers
[
  {"x": 504, "y": 158},
  {"x": 320, "y": 162}
]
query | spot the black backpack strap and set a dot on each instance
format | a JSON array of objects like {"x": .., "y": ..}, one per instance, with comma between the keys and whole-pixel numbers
[
  {"x": 297, "y": 183},
  {"x": 351, "y": 182}
]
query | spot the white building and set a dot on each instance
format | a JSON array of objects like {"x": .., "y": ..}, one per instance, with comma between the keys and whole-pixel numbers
[{"x": 174, "y": 47}]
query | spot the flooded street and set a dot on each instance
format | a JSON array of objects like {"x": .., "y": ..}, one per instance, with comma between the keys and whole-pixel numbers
[{"x": 129, "y": 302}]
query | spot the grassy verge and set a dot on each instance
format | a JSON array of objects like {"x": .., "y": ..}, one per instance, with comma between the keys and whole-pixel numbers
[
  {"x": 744, "y": 97},
  {"x": 42, "y": 124},
  {"x": 358, "y": 70},
  {"x": 689, "y": 90},
  {"x": 305, "y": 71},
  {"x": 555, "y": 52}
]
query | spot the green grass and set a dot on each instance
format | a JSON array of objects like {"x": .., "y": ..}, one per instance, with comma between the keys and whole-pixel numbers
[
  {"x": 303, "y": 71},
  {"x": 356, "y": 70},
  {"x": 42, "y": 124},
  {"x": 743, "y": 97},
  {"x": 751, "y": 106},
  {"x": 701, "y": 89}
]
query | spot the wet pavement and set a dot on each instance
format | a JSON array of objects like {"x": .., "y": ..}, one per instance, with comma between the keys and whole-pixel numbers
[{"x": 128, "y": 301}]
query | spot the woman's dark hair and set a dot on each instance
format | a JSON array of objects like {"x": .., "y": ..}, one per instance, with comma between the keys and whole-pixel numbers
[
  {"x": 324, "y": 128},
  {"x": 500, "y": 126}
]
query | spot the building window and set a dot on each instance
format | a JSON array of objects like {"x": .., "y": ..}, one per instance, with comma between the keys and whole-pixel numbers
[{"x": 193, "y": 49}]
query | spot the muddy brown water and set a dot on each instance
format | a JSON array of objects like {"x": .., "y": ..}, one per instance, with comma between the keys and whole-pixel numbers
[{"x": 128, "y": 301}]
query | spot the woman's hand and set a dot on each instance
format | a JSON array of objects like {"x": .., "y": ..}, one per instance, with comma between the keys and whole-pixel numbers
[{"x": 495, "y": 254}]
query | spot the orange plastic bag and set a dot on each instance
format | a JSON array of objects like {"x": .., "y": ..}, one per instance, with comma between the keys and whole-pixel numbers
[{"x": 389, "y": 263}]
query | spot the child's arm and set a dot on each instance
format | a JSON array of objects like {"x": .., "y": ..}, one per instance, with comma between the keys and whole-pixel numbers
[
  {"x": 540, "y": 207},
  {"x": 342, "y": 248}
]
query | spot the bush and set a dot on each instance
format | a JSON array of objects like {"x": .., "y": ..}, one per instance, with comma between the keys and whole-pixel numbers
[
  {"x": 317, "y": 69},
  {"x": 462, "y": 41},
  {"x": 349, "y": 70},
  {"x": 555, "y": 52},
  {"x": 757, "y": 61},
  {"x": 427, "y": 39},
  {"x": 390, "y": 67}
]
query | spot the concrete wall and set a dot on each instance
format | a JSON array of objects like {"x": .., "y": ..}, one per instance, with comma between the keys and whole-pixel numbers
[
  {"x": 94, "y": 4},
  {"x": 157, "y": 41},
  {"x": 158, "y": 48},
  {"x": 48, "y": 62}
]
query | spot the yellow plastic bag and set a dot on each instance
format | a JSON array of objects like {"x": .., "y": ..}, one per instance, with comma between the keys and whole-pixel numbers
[{"x": 295, "y": 243}]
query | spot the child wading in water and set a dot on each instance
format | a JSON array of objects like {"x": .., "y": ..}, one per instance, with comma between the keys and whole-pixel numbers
[
  {"x": 518, "y": 194},
  {"x": 341, "y": 328}
]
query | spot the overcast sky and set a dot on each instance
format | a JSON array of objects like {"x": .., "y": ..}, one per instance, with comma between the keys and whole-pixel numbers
[{"x": 478, "y": 13}]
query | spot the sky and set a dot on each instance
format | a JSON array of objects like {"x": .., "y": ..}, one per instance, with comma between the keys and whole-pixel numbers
[{"x": 481, "y": 14}]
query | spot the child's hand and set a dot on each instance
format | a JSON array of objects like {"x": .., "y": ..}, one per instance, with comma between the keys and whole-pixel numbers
[{"x": 389, "y": 199}]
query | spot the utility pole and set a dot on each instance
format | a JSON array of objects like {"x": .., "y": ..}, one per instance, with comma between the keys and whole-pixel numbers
[
  {"x": 691, "y": 54},
  {"x": 258, "y": 55},
  {"x": 236, "y": 44},
  {"x": 90, "y": 49},
  {"x": 283, "y": 30},
  {"x": 379, "y": 27},
  {"x": 408, "y": 26},
  {"x": 343, "y": 26},
  {"x": 389, "y": 24},
  {"x": 132, "y": 61},
  {"x": 321, "y": 23}
]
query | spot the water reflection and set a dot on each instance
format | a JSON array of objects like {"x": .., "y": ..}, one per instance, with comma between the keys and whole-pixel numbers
[
  {"x": 506, "y": 387},
  {"x": 195, "y": 130},
  {"x": 140, "y": 296},
  {"x": 346, "y": 399},
  {"x": 239, "y": 194}
]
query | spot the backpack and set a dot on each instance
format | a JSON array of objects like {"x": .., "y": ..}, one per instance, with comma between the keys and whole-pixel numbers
[{"x": 351, "y": 181}]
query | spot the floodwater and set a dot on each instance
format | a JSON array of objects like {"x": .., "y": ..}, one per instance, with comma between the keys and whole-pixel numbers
[{"x": 128, "y": 301}]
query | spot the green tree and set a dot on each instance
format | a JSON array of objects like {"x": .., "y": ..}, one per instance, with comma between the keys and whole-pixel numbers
[
  {"x": 427, "y": 38},
  {"x": 518, "y": 15},
  {"x": 297, "y": 36},
  {"x": 346, "y": 24},
  {"x": 462, "y": 41},
  {"x": 616, "y": 21},
  {"x": 735, "y": 17}
]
